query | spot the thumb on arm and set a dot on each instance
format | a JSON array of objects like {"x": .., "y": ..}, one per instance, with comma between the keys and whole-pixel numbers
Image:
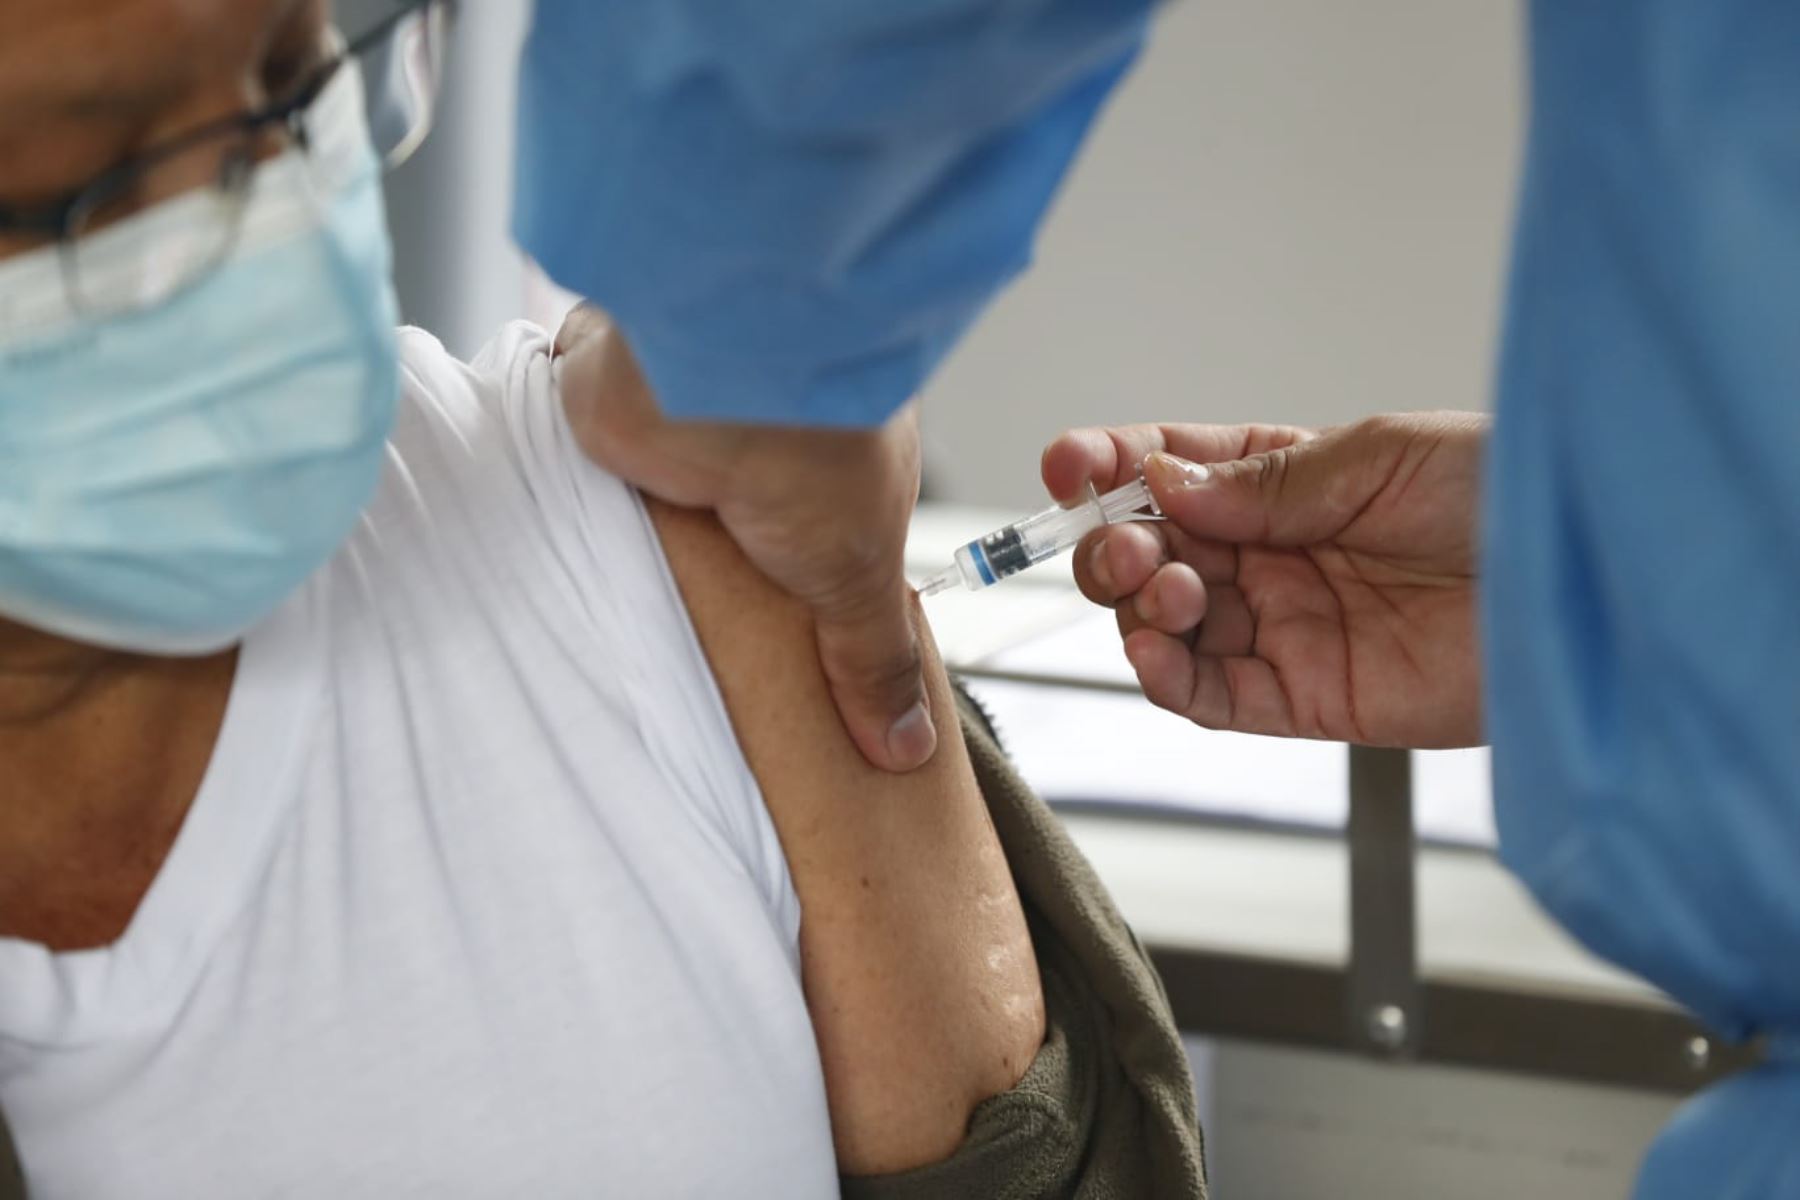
[{"x": 869, "y": 647}]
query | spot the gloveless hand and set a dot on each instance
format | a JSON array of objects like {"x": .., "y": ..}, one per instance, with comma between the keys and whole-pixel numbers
[{"x": 1305, "y": 584}]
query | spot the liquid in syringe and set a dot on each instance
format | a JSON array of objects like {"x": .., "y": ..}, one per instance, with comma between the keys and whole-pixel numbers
[{"x": 1025, "y": 543}]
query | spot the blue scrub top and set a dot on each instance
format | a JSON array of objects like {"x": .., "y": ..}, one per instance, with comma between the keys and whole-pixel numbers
[
  {"x": 794, "y": 209},
  {"x": 795, "y": 216},
  {"x": 1643, "y": 536}
]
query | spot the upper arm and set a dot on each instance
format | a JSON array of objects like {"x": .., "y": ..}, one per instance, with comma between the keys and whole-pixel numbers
[{"x": 918, "y": 969}]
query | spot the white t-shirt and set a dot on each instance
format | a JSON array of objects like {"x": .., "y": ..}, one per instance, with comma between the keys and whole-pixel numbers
[{"x": 478, "y": 896}]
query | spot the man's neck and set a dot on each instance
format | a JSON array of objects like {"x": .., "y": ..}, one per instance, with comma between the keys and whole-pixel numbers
[
  {"x": 66, "y": 706},
  {"x": 42, "y": 676},
  {"x": 101, "y": 753}
]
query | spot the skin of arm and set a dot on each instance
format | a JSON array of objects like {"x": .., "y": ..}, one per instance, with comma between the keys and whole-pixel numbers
[{"x": 918, "y": 968}]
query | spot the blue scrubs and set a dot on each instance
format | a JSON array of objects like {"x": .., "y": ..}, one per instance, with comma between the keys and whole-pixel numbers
[
  {"x": 795, "y": 207},
  {"x": 1643, "y": 561},
  {"x": 795, "y": 210}
]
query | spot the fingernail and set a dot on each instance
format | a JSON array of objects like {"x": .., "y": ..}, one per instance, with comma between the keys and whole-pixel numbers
[
  {"x": 1100, "y": 568},
  {"x": 1179, "y": 472},
  {"x": 911, "y": 740}
]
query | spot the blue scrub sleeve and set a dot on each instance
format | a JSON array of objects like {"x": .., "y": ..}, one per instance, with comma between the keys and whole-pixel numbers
[
  {"x": 1642, "y": 608},
  {"x": 794, "y": 211}
]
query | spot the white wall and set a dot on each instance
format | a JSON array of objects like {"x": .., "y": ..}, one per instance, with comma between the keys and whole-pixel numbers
[
  {"x": 456, "y": 268},
  {"x": 1295, "y": 210}
]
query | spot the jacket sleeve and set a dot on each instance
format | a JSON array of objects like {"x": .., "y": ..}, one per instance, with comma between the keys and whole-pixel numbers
[
  {"x": 1643, "y": 573},
  {"x": 794, "y": 218}
]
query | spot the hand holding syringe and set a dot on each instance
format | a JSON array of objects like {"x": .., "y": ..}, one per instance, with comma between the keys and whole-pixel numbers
[{"x": 1011, "y": 548}]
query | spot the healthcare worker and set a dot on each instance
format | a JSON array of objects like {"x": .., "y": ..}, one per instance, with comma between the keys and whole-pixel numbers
[{"x": 793, "y": 216}]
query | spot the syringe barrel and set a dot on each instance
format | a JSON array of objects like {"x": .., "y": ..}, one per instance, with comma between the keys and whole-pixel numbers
[
  {"x": 1012, "y": 548},
  {"x": 987, "y": 560},
  {"x": 1130, "y": 498},
  {"x": 1057, "y": 529},
  {"x": 971, "y": 565}
]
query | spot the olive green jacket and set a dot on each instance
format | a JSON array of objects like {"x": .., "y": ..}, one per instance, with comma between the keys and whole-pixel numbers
[{"x": 1107, "y": 1112}]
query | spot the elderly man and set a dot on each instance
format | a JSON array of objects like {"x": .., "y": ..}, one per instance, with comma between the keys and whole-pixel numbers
[{"x": 390, "y": 801}]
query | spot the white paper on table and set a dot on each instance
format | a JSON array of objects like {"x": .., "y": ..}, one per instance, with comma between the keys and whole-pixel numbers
[
  {"x": 1085, "y": 647},
  {"x": 979, "y": 629},
  {"x": 1074, "y": 745},
  {"x": 1453, "y": 795}
]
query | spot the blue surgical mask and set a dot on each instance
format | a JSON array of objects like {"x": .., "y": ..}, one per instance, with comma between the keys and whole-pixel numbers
[{"x": 169, "y": 476}]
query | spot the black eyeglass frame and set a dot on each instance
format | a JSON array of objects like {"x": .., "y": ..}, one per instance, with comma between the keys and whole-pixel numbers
[{"x": 59, "y": 220}]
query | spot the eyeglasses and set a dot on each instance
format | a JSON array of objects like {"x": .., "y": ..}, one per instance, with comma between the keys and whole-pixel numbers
[{"x": 400, "y": 54}]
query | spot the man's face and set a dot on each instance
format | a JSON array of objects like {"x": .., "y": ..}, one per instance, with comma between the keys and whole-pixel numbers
[{"x": 86, "y": 84}]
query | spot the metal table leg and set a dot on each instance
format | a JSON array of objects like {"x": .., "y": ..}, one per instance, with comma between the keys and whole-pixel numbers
[{"x": 1386, "y": 1010}]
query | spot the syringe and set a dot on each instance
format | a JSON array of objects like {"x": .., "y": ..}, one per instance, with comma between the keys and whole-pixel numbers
[{"x": 1011, "y": 548}]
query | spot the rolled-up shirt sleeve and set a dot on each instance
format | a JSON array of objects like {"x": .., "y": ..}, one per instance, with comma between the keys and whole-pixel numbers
[
  {"x": 794, "y": 212},
  {"x": 1643, "y": 577}
]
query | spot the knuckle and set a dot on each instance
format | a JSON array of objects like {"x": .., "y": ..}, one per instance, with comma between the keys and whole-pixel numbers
[
  {"x": 857, "y": 582},
  {"x": 1387, "y": 427},
  {"x": 895, "y": 679},
  {"x": 1267, "y": 473}
]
